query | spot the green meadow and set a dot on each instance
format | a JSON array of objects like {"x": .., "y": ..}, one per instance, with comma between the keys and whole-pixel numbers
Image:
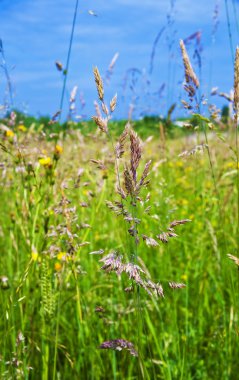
[{"x": 61, "y": 214}]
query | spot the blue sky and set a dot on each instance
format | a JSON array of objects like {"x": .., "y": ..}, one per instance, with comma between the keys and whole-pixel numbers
[{"x": 36, "y": 33}]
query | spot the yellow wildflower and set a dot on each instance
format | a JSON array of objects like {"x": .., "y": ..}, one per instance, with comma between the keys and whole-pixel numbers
[
  {"x": 188, "y": 169},
  {"x": 58, "y": 266},
  {"x": 58, "y": 149},
  {"x": 9, "y": 133},
  {"x": 184, "y": 202},
  {"x": 22, "y": 128},
  {"x": 179, "y": 164},
  {"x": 62, "y": 256},
  {"x": 184, "y": 277},
  {"x": 230, "y": 165},
  {"x": 34, "y": 256},
  {"x": 208, "y": 184},
  {"x": 45, "y": 161}
]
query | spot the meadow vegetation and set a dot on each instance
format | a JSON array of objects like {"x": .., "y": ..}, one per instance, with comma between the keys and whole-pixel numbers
[{"x": 114, "y": 244}]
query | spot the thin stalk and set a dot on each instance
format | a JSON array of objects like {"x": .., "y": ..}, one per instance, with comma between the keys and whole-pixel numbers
[
  {"x": 5, "y": 69},
  {"x": 118, "y": 180},
  {"x": 56, "y": 337},
  {"x": 134, "y": 255},
  {"x": 236, "y": 107},
  {"x": 229, "y": 30},
  {"x": 235, "y": 15},
  {"x": 68, "y": 59},
  {"x": 237, "y": 180},
  {"x": 45, "y": 350},
  {"x": 220, "y": 212}
]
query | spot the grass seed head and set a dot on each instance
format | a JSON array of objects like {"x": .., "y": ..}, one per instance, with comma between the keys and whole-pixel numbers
[
  {"x": 119, "y": 345},
  {"x": 190, "y": 76},
  {"x": 99, "y": 84},
  {"x": 135, "y": 153},
  {"x": 113, "y": 103},
  {"x": 233, "y": 258}
]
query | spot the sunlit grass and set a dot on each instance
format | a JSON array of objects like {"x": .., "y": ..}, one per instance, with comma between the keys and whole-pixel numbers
[{"x": 189, "y": 334}]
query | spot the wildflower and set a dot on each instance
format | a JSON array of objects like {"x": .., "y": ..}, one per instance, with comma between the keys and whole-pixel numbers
[
  {"x": 58, "y": 149},
  {"x": 57, "y": 266},
  {"x": 45, "y": 161},
  {"x": 9, "y": 133},
  {"x": 230, "y": 165},
  {"x": 184, "y": 277},
  {"x": 34, "y": 255},
  {"x": 184, "y": 202},
  {"x": 188, "y": 169},
  {"x": 63, "y": 256},
  {"x": 21, "y": 128}
]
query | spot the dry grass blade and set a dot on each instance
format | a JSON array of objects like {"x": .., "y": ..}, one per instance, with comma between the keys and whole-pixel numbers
[{"x": 233, "y": 258}]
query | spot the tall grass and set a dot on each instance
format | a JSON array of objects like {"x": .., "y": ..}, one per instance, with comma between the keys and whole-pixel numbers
[{"x": 94, "y": 255}]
